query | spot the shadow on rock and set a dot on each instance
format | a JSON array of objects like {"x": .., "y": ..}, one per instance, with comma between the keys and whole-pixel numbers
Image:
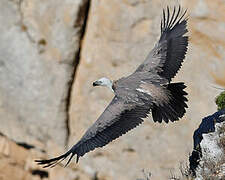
[{"x": 208, "y": 125}]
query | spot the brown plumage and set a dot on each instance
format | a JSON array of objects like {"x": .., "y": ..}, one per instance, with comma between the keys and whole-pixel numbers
[{"x": 148, "y": 88}]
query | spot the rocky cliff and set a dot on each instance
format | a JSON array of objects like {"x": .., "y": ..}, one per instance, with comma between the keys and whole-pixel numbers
[{"x": 50, "y": 53}]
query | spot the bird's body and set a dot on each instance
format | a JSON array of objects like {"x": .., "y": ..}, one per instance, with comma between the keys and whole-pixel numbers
[{"x": 148, "y": 89}]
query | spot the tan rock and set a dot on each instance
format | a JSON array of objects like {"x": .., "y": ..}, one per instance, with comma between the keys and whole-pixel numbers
[{"x": 118, "y": 37}]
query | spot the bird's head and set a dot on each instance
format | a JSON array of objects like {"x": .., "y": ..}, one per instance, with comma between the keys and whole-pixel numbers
[{"x": 104, "y": 82}]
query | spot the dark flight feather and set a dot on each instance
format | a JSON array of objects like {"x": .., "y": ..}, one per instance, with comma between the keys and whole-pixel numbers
[
  {"x": 168, "y": 54},
  {"x": 125, "y": 120}
]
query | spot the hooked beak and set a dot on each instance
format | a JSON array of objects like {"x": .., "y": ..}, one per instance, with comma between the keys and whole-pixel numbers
[{"x": 96, "y": 83}]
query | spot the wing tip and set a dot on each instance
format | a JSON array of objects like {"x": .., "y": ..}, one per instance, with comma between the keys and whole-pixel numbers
[
  {"x": 55, "y": 161},
  {"x": 178, "y": 16}
]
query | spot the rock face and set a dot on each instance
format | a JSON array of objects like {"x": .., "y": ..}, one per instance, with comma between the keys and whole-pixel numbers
[
  {"x": 38, "y": 45},
  {"x": 41, "y": 43},
  {"x": 118, "y": 37}
]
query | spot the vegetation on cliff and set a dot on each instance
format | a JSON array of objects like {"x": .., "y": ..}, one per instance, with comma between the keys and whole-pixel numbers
[{"x": 220, "y": 101}]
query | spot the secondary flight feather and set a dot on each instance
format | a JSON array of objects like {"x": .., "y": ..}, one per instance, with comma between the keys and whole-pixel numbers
[{"x": 148, "y": 89}]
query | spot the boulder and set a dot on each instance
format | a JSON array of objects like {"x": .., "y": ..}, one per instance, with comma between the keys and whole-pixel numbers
[
  {"x": 207, "y": 159},
  {"x": 206, "y": 138}
]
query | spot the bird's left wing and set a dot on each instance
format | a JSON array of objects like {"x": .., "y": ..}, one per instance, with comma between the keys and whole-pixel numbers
[
  {"x": 168, "y": 54},
  {"x": 117, "y": 119}
]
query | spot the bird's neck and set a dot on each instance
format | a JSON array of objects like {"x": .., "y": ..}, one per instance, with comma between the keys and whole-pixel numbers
[{"x": 110, "y": 86}]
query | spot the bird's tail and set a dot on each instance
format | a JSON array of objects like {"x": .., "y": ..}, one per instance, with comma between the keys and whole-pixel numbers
[{"x": 175, "y": 108}]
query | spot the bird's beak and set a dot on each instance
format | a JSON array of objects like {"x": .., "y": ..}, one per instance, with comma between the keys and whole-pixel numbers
[{"x": 96, "y": 83}]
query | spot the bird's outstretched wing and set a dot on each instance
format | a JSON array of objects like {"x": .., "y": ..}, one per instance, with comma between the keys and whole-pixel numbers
[
  {"x": 117, "y": 119},
  {"x": 168, "y": 54}
]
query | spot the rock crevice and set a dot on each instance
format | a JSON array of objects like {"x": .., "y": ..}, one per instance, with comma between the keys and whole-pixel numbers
[{"x": 81, "y": 21}]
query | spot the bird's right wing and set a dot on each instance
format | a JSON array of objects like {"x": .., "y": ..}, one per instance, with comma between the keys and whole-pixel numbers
[
  {"x": 168, "y": 54},
  {"x": 117, "y": 119}
]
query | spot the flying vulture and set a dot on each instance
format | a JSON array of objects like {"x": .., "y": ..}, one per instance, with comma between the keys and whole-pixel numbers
[{"x": 148, "y": 89}]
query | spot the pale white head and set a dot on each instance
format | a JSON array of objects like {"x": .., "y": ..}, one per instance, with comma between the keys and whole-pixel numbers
[{"x": 104, "y": 82}]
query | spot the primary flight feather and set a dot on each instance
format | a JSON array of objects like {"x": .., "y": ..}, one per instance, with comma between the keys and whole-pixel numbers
[{"x": 148, "y": 89}]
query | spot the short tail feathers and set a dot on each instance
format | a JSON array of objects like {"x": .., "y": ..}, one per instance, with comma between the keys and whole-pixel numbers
[
  {"x": 54, "y": 161},
  {"x": 173, "y": 110}
]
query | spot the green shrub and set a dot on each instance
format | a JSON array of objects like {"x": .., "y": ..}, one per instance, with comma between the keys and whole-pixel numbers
[{"x": 220, "y": 101}]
